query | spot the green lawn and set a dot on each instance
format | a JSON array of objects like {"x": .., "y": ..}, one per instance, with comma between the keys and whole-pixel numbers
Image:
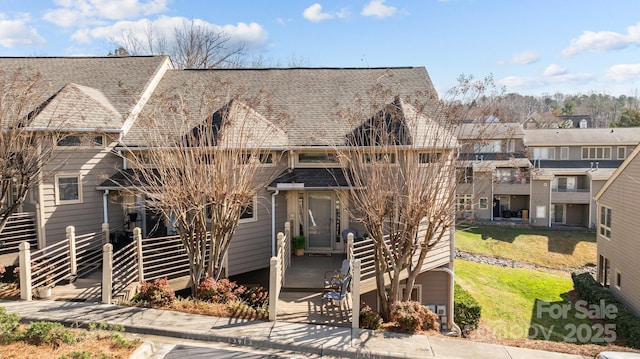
[
  {"x": 510, "y": 299},
  {"x": 553, "y": 249}
]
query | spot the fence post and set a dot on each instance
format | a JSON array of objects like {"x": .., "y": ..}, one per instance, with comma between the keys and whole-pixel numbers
[
  {"x": 25, "y": 271},
  {"x": 350, "y": 246},
  {"x": 355, "y": 295},
  {"x": 287, "y": 245},
  {"x": 107, "y": 272},
  {"x": 137, "y": 236},
  {"x": 273, "y": 288},
  {"x": 73, "y": 260},
  {"x": 105, "y": 233},
  {"x": 280, "y": 254}
]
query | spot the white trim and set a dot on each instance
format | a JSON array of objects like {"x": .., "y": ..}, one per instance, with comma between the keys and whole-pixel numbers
[
  {"x": 416, "y": 287},
  {"x": 78, "y": 176},
  {"x": 602, "y": 226},
  {"x": 624, "y": 152},
  {"x": 80, "y": 145},
  {"x": 254, "y": 201}
]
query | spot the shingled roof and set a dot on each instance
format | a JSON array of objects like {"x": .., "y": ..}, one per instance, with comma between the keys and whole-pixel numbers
[
  {"x": 582, "y": 136},
  {"x": 309, "y": 99},
  {"x": 112, "y": 84}
]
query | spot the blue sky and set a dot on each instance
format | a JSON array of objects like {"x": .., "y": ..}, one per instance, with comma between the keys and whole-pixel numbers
[{"x": 528, "y": 46}]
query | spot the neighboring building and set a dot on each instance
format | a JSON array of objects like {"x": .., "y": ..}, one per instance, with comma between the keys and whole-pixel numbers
[
  {"x": 541, "y": 177},
  {"x": 570, "y": 166},
  {"x": 494, "y": 172},
  {"x": 548, "y": 120},
  {"x": 617, "y": 237}
]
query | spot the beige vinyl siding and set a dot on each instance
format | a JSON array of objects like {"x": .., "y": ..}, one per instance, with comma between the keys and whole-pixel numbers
[
  {"x": 623, "y": 248},
  {"x": 94, "y": 165},
  {"x": 439, "y": 255},
  {"x": 539, "y": 197},
  {"x": 435, "y": 287},
  {"x": 251, "y": 245}
]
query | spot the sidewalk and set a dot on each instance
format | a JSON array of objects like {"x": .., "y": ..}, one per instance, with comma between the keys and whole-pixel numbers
[{"x": 304, "y": 338}]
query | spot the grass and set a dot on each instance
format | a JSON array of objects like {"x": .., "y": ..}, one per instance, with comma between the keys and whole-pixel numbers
[
  {"x": 547, "y": 248},
  {"x": 509, "y": 298}
]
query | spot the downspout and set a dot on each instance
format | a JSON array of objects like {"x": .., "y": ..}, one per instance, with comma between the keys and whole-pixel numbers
[
  {"x": 273, "y": 222},
  {"x": 104, "y": 206}
]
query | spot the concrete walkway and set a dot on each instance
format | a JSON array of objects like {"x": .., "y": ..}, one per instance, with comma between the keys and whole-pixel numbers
[{"x": 305, "y": 338}]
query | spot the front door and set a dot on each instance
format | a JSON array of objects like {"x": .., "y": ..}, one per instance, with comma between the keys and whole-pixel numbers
[{"x": 320, "y": 222}]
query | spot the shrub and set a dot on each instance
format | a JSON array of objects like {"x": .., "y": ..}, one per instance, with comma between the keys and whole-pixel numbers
[
  {"x": 220, "y": 291},
  {"x": 257, "y": 298},
  {"x": 9, "y": 324},
  {"x": 466, "y": 310},
  {"x": 51, "y": 333},
  {"x": 369, "y": 319},
  {"x": 409, "y": 317},
  {"x": 626, "y": 323},
  {"x": 155, "y": 293}
]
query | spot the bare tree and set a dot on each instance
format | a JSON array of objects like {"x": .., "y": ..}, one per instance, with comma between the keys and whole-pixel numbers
[
  {"x": 401, "y": 166},
  {"x": 191, "y": 46},
  {"x": 26, "y": 138},
  {"x": 207, "y": 147}
]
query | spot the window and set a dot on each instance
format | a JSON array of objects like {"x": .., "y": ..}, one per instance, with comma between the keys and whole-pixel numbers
[
  {"x": 544, "y": 153},
  {"x": 464, "y": 202},
  {"x": 618, "y": 279},
  {"x": 491, "y": 146},
  {"x": 68, "y": 189},
  {"x": 465, "y": 174},
  {"x": 81, "y": 141},
  {"x": 511, "y": 175},
  {"x": 564, "y": 184},
  {"x": 605, "y": 222},
  {"x": 484, "y": 203},
  {"x": 429, "y": 157},
  {"x": 603, "y": 270},
  {"x": 264, "y": 158},
  {"x": 564, "y": 153},
  {"x": 416, "y": 292},
  {"x": 622, "y": 152},
  {"x": 596, "y": 153},
  {"x": 249, "y": 213},
  {"x": 511, "y": 146},
  {"x": 379, "y": 157},
  {"x": 317, "y": 158}
]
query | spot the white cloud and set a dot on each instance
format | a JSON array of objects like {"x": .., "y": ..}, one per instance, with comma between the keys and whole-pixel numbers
[
  {"x": 623, "y": 72},
  {"x": 314, "y": 13},
  {"x": 603, "y": 41},
  {"x": 553, "y": 75},
  {"x": 378, "y": 9},
  {"x": 16, "y": 32},
  {"x": 525, "y": 58},
  {"x": 252, "y": 35},
  {"x": 554, "y": 70},
  {"x": 93, "y": 12}
]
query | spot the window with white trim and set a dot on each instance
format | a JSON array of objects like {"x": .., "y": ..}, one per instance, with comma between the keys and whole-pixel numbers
[
  {"x": 544, "y": 153},
  {"x": 85, "y": 140},
  {"x": 416, "y": 292},
  {"x": 596, "y": 153},
  {"x": 484, "y": 203},
  {"x": 379, "y": 157},
  {"x": 489, "y": 146},
  {"x": 622, "y": 152},
  {"x": 564, "y": 153},
  {"x": 250, "y": 211},
  {"x": 68, "y": 188},
  {"x": 464, "y": 202},
  {"x": 605, "y": 222},
  {"x": 265, "y": 158},
  {"x": 429, "y": 157},
  {"x": 618, "y": 279}
]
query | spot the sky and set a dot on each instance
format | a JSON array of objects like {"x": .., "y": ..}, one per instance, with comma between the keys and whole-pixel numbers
[{"x": 532, "y": 47}]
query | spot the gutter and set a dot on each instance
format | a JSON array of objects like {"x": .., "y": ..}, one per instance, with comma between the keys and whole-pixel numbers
[
  {"x": 273, "y": 222},
  {"x": 456, "y": 329}
]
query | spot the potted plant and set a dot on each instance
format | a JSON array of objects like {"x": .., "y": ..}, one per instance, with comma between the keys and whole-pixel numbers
[
  {"x": 298, "y": 243},
  {"x": 45, "y": 268}
]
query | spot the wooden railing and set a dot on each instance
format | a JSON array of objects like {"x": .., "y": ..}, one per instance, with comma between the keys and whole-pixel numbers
[
  {"x": 277, "y": 267},
  {"x": 20, "y": 228}
]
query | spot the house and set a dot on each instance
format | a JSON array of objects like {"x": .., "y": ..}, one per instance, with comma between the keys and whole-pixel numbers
[
  {"x": 617, "y": 242},
  {"x": 91, "y": 102},
  {"x": 309, "y": 189},
  {"x": 538, "y": 177}
]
